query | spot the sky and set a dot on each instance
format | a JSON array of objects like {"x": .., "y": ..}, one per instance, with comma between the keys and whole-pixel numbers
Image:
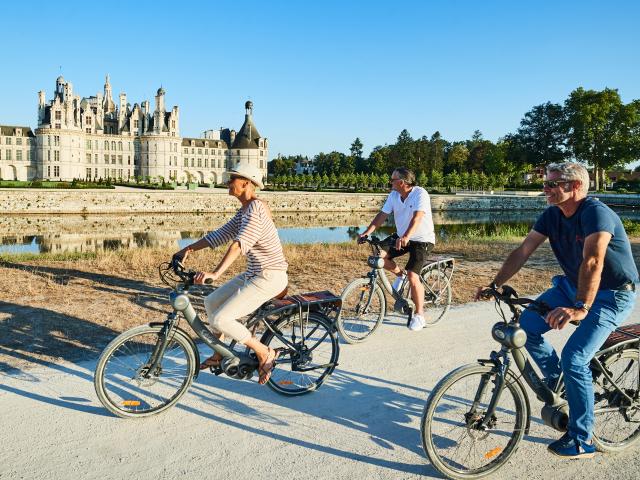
[{"x": 322, "y": 73}]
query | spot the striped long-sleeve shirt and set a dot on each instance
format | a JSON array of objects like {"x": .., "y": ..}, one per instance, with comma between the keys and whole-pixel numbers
[{"x": 254, "y": 229}]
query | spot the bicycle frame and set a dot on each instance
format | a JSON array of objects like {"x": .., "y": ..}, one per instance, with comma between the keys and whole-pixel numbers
[
  {"x": 555, "y": 410},
  {"x": 235, "y": 364}
]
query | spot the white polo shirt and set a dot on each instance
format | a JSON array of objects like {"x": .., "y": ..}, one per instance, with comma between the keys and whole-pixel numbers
[{"x": 417, "y": 201}]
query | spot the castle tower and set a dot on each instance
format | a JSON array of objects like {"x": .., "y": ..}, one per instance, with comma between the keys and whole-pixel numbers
[{"x": 108, "y": 106}]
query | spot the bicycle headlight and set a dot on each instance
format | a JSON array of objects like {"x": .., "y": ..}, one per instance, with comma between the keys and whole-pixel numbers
[{"x": 375, "y": 262}]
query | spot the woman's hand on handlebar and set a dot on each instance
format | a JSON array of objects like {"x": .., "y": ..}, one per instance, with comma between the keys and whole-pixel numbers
[
  {"x": 181, "y": 256},
  {"x": 205, "y": 278}
]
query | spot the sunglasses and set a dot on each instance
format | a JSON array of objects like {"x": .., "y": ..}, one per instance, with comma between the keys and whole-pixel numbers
[{"x": 554, "y": 183}]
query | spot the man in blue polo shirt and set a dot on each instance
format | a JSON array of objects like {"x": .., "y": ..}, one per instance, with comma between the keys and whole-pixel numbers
[{"x": 597, "y": 290}]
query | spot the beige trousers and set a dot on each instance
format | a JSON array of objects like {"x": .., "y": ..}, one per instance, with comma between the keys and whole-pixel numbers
[{"x": 241, "y": 296}]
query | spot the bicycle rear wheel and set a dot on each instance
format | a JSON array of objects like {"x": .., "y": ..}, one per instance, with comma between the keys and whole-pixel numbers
[
  {"x": 617, "y": 421},
  {"x": 437, "y": 294},
  {"x": 308, "y": 356},
  {"x": 123, "y": 380},
  {"x": 452, "y": 436},
  {"x": 362, "y": 312}
]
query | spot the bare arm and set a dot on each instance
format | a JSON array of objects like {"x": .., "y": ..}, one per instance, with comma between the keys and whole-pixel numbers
[
  {"x": 194, "y": 247},
  {"x": 413, "y": 224},
  {"x": 377, "y": 221},
  {"x": 231, "y": 255},
  {"x": 516, "y": 259},
  {"x": 589, "y": 276}
]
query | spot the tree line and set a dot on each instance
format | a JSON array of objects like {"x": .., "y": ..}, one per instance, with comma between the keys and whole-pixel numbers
[{"x": 593, "y": 127}]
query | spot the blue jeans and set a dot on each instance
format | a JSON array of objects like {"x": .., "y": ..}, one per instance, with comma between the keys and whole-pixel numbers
[{"x": 610, "y": 308}]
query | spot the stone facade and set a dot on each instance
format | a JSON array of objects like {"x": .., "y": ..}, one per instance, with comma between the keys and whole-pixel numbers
[
  {"x": 93, "y": 137},
  {"x": 17, "y": 153}
]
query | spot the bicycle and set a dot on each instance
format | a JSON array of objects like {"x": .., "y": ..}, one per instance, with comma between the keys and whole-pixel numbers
[
  {"x": 364, "y": 305},
  {"x": 147, "y": 369},
  {"x": 476, "y": 416}
]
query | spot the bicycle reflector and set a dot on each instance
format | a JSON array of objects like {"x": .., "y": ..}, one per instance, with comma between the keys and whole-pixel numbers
[
  {"x": 285, "y": 382},
  {"x": 493, "y": 453},
  {"x": 131, "y": 403}
]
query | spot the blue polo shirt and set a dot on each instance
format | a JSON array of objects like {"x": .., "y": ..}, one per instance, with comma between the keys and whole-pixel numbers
[{"x": 566, "y": 236}]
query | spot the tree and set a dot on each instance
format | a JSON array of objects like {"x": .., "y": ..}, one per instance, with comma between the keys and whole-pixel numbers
[
  {"x": 456, "y": 158},
  {"x": 543, "y": 134},
  {"x": 356, "y": 153},
  {"x": 603, "y": 131}
]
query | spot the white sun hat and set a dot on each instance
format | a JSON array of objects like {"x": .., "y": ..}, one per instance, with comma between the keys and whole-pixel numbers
[{"x": 247, "y": 171}]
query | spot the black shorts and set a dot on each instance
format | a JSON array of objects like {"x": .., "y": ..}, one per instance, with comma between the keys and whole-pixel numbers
[{"x": 418, "y": 252}]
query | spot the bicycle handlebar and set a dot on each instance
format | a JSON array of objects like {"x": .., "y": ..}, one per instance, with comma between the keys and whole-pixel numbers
[
  {"x": 184, "y": 275},
  {"x": 510, "y": 297}
]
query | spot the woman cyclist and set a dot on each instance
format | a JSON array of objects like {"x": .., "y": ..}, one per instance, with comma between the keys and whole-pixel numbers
[{"x": 252, "y": 233}]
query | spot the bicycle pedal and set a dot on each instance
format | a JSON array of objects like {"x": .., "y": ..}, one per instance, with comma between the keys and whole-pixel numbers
[{"x": 217, "y": 371}]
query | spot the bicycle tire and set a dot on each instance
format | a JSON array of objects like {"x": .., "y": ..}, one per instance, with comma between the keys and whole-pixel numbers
[
  {"x": 439, "y": 439},
  {"x": 124, "y": 391},
  {"x": 437, "y": 295},
  {"x": 317, "y": 361},
  {"x": 616, "y": 430},
  {"x": 355, "y": 325}
]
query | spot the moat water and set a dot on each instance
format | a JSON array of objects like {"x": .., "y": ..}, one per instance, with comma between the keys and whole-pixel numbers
[{"x": 87, "y": 233}]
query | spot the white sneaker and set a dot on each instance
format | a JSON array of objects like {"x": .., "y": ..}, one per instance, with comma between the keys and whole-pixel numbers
[
  {"x": 397, "y": 283},
  {"x": 417, "y": 323}
]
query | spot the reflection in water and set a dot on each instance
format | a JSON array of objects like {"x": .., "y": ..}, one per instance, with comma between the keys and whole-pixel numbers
[{"x": 89, "y": 233}]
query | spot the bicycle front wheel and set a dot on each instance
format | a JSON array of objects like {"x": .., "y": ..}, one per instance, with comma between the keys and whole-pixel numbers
[
  {"x": 308, "y": 354},
  {"x": 437, "y": 295},
  {"x": 617, "y": 421},
  {"x": 453, "y": 437},
  {"x": 124, "y": 381},
  {"x": 363, "y": 309}
]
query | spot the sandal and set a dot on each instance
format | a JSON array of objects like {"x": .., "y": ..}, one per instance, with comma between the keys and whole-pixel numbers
[
  {"x": 264, "y": 370},
  {"x": 212, "y": 362}
]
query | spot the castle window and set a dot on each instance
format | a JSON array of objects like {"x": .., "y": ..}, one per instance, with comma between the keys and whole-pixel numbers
[
  {"x": 18, "y": 154},
  {"x": 88, "y": 158},
  {"x": 106, "y": 145},
  {"x": 56, "y": 171},
  {"x": 113, "y": 145},
  {"x": 88, "y": 120},
  {"x": 199, "y": 151},
  {"x": 18, "y": 141},
  {"x": 8, "y": 142},
  {"x": 206, "y": 163},
  {"x": 88, "y": 144},
  {"x": 88, "y": 130},
  {"x": 120, "y": 146},
  {"x": 56, "y": 141},
  {"x": 136, "y": 123},
  {"x": 58, "y": 126},
  {"x": 58, "y": 115},
  {"x": 106, "y": 159},
  {"x": 119, "y": 159},
  {"x": 113, "y": 159},
  {"x": 56, "y": 156}
]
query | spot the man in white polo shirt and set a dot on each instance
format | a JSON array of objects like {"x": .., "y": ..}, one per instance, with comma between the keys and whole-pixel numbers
[{"x": 415, "y": 235}]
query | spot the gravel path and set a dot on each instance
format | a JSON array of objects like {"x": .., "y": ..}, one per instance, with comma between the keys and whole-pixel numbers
[{"x": 363, "y": 423}]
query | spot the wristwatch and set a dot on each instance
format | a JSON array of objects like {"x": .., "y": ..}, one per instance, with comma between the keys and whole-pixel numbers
[{"x": 580, "y": 305}]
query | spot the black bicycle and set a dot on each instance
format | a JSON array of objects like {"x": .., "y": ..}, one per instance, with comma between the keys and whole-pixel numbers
[
  {"x": 147, "y": 369},
  {"x": 476, "y": 416}
]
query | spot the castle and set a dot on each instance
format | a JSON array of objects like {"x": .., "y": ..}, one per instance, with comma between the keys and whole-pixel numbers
[{"x": 92, "y": 138}]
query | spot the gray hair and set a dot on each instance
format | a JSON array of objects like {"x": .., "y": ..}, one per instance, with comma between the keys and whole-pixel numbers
[
  {"x": 407, "y": 175},
  {"x": 572, "y": 171}
]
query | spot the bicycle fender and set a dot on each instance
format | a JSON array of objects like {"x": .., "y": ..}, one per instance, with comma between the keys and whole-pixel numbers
[{"x": 185, "y": 335}]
